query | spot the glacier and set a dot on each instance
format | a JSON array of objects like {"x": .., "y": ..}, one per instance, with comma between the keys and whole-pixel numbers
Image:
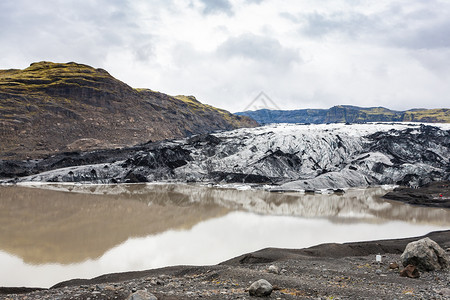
[{"x": 282, "y": 157}]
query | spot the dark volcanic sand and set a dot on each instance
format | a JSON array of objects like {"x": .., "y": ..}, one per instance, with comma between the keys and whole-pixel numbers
[
  {"x": 435, "y": 194},
  {"x": 328, "y": 271}
]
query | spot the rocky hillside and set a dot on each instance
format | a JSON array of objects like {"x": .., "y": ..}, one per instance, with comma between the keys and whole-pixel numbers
[
  {"x": 52, "y": 107},
  {"x": 288, "y": 157},
  {"x": 348, "y": 114}
]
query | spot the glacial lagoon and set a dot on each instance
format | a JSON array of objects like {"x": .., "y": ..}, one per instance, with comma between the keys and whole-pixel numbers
[{"x": 54, "y": 232}]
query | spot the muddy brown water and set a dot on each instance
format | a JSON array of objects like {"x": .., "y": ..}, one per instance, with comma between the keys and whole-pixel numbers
[{"x": 50, "y": 233}]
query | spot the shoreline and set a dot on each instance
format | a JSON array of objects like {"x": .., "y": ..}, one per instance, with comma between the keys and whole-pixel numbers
[
  {"x": 433, "y": 194},
  {"x": 230, "y": 279}
]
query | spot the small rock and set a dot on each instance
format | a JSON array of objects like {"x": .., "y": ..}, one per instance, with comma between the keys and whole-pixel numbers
[
  {"x": 274, "y": 269},
  {"x": 426, "y": 255},
  {"x": 141, "y": 295},
  {"x": 260, "y": 288},
  {"x": 410, "y": 271},
  {"x": 394, "y": 266},
  {"x": 378, "y": 272},
  {"x": 444, "y": 292}
]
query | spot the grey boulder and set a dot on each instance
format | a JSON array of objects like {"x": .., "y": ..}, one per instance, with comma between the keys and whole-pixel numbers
[
  {"x": 273, "y": 269},
  {"x": 141, "y": 295},
  {"x": 426, "y": 255},
  {"x": 260, "y": 288}
]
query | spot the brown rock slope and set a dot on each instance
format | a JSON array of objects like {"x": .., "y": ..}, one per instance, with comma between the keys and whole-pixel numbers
[{"x": 52, "y": 107}]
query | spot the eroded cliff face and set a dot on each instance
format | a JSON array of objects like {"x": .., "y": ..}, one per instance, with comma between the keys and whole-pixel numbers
[
  {"x": 49, "y": 108},
  {"x": 287, "y": 157},
  {"x": 348, "y": 114}
]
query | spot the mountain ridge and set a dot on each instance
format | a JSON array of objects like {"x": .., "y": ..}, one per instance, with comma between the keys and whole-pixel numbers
[
  {"x": 53, "y": 107},
  {"x": 348, "y": 114}
]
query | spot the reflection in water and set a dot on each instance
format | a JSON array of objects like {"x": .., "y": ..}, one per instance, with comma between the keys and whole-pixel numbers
[
  {"x": 68, "y": 231},
  {"x": 356, "y": 205},
  {"x": 46, "y": 226}
]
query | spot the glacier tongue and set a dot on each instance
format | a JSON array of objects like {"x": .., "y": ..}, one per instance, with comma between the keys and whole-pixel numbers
[{"x": 287, "y": 156}]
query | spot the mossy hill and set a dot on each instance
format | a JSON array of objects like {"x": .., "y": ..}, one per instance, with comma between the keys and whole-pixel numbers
[
  {"x": 54, "y": 107},
  {"x": 348, "y": 114}
]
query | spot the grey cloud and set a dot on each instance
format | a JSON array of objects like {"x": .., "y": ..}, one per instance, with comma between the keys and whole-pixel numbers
[
  {"x": 255, "y": 1},
  {"x": 258, "y": 48},
  {"x": 427, "y": 26},
  {"x": 435, "y": 60},
  {"x": 353, "y": 24},
  {"x": 217, "y": 6},
  {"x": 431, "y": 37},
  {"x": 145, "y": 51},
  {"x": 418, "y": 28},
  {"x": 72, "y": 30},
  {"x": 222, "y": 6},
  {"x": 289, "y": 16}
]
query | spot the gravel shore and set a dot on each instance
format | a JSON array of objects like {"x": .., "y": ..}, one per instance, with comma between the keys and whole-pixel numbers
[
  {"x": 433, "y": 194},
  {"x": 328, "y": 271}
]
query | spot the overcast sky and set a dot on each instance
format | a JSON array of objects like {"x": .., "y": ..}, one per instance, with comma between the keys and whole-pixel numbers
[{"x": 301, "y": 53}]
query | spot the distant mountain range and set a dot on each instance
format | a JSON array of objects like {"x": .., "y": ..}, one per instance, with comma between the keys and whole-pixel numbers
[
  {"x": 348, "y": 114},
  {"x": 54, "y": 107}
]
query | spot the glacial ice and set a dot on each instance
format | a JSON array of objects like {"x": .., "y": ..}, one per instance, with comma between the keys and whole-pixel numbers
[{"x": 284, "y": 157}]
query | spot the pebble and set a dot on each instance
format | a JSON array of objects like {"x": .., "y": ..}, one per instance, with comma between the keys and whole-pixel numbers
[
  {"x": 444, "y": 292},
  {"x": 394, "y": 266}
]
